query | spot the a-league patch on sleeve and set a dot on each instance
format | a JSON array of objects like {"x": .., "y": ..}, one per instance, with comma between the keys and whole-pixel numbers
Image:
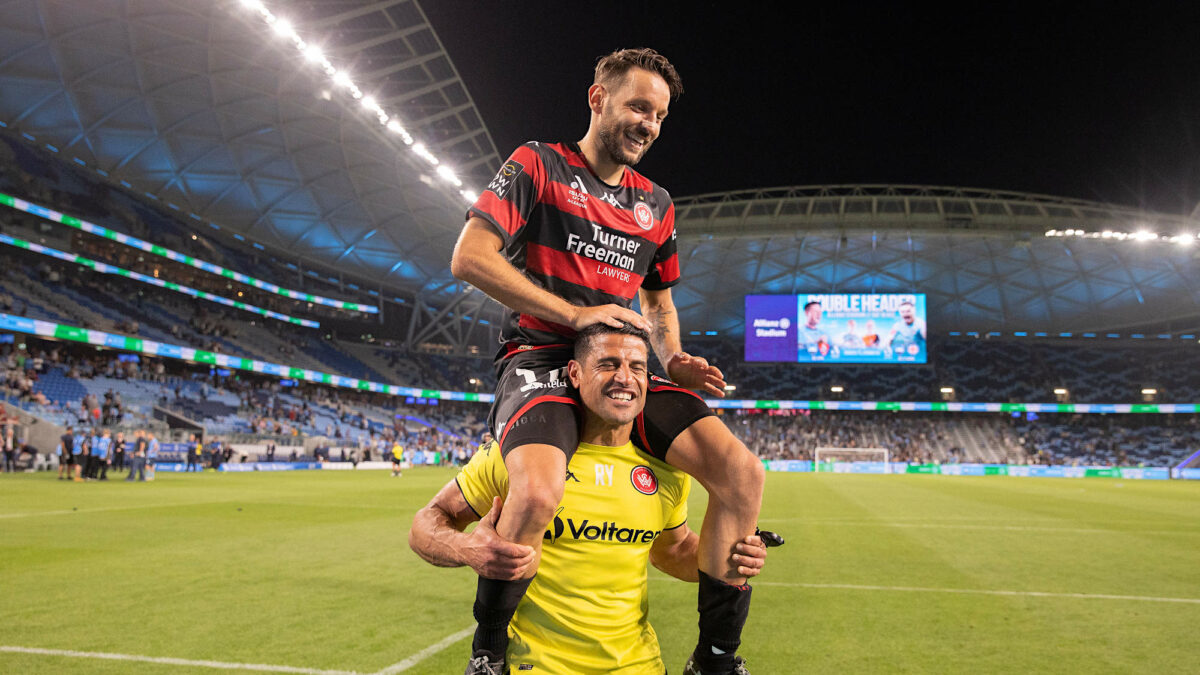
[{"x": 505, "y": 177}]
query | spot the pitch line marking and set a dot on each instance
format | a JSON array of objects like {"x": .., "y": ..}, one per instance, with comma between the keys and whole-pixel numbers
[
  {"x": 426, "y": 653},
  {"x": 950, "y": 526},
  {"x": 975, "y": 591},
  {"x": 102, "y": 509},
  {"x": 219, "y": 665}
]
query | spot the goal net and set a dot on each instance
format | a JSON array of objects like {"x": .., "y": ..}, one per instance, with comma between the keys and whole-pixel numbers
[{"x": 824, "y": 459}]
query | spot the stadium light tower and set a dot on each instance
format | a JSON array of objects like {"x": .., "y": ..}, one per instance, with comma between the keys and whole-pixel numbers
[
  {"x": 947, "y": 393},
  {"x": 1062, "y": 395},
  {"x": 1149, "y": 394}
]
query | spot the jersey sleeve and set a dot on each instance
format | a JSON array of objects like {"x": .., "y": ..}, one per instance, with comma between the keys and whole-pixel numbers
[
  {"x": 482, "y": 479},
  {"x": 509, "y": 199},
  {"x": 675, "y": 509},
  {"x": 664, "y": 270}
]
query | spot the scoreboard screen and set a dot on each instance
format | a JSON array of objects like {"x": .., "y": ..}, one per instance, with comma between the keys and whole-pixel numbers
[{"x": 837, "y": 328}]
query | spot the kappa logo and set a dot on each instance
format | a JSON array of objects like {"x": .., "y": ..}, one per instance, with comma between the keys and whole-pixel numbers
[
  {"x": 644, "y": 480},
  {"x": 642, "y": 216},
  {"x": 505, "y": 177},
  {"x": 612, "y": 201}
]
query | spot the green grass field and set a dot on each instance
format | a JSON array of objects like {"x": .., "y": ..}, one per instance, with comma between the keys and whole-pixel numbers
[{"x": 880, "y": 574}]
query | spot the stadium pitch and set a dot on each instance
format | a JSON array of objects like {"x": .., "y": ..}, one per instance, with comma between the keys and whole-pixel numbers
[{"x": 309, "y": 572}]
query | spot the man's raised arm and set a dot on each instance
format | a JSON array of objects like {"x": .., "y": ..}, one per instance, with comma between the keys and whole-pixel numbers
[
  {"x": 437, "y": 536},
  {"x": 690, "y": 371},
  {"x": 478, "y": 261}
]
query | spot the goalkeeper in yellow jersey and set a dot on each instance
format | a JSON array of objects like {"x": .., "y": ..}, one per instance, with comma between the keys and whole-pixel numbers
[{"x": 586, "y": 611}]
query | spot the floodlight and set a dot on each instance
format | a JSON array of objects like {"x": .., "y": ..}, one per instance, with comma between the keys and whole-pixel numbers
[
  {"x": 447, "y": 174},
  {"x": 313, "y": 54},
  {"x": 424, "y": 153},
  {"x": 283, "y": 28}
]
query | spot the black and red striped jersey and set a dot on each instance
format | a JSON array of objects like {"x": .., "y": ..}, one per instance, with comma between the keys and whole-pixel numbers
[{"x": 587, "y": 242}]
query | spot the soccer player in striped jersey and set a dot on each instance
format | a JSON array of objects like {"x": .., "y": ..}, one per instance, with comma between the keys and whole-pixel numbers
[
  {"x": 566, "y": 235},
  {"x": 586, "y": 613}
]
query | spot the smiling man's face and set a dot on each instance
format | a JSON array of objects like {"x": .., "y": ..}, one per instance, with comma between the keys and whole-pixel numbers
[
  {"x": 612, "y": 378},
  {"x": 632, "y": 116}
]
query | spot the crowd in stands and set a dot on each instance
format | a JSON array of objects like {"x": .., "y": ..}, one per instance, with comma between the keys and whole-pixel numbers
[
  {"x": 1099, "y": 440},
  {"x": 87, "y": 387},
  {"x": 1119, "y": 440},
  {"x": 366, "y": 425},
  {"x": 980, "y": 370},
  {"x": 32, "y": 173},
  {"x": 910, "y": 437}
]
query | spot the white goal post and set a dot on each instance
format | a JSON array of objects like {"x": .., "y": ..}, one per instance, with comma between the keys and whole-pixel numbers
[{"x": 830, "y": 454}]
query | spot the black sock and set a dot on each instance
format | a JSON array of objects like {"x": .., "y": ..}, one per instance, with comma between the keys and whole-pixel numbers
[
  {"x": 495, "y": 603},
  {"x": 723, "y": 610}
]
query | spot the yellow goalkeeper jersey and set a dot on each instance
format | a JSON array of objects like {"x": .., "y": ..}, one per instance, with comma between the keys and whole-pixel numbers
[{"x": 587, "y": 611}]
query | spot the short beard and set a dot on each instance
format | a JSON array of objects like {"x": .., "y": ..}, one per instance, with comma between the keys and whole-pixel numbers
[{"x": 612, "y": 145}]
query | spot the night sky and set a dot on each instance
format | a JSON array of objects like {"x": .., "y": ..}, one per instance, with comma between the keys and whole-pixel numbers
[{"x": 1076, "y": 102}]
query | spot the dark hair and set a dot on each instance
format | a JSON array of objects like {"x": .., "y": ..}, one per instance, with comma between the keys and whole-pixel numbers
[
  {"x": 810, "y": 304},
  {"x": 583, "y": 339},
  {"x": 618, "y": 63}
]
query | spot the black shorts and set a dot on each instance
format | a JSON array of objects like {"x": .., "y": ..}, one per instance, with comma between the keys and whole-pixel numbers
[
  {"x": 395, "y": 460},
  {"x": 535, "y": 403},
  {"x": 66, "y": 459}
]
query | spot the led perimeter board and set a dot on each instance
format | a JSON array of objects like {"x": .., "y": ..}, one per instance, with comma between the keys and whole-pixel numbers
[{"x": 837, "y": 328}]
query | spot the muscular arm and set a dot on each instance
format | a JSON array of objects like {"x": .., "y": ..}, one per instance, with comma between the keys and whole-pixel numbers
[
  {"x": 659, "y": 309},
  {"x": 437, "y": 536},
  {"x": 478, "y": 261},
  {"x": 674, "y": 552},
  {"x": 690, "y": 371}
]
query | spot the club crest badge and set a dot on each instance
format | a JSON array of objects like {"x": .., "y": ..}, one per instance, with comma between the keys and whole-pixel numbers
[
  {"x": 642, "y": 216},
  {"x": 644, "y": 480}
]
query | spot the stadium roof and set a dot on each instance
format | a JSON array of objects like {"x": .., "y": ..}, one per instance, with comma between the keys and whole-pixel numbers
[
  {"x": 983, "y": 256},
  {"x": 203, "y": 106}
]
